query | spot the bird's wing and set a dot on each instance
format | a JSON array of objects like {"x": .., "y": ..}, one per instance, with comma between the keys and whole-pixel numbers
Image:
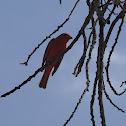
[
  {"x": 47, "y": 51},
  {"x": 56, "y": 66}
]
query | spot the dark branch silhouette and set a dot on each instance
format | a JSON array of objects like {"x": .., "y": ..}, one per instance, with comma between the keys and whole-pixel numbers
[
  {"x": 98, "y": 9},
  {"x": 60, "y": 26},
  {"x": 108, "y": 62},
  {"x": 60, "y": 1},
  {"x": 107, "y": 96}
]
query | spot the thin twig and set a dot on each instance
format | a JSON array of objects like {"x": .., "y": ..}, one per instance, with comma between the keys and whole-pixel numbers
[
  {"x": 86, "y": 22},
  {"x": 87, "y": 75},
  {"x": 82, "y": 59},
  {"x": 60, "y": 1},
  {"x": 108, "y": 62},
  {"x": 76, "y": 107},
  {"x": 29, "y": 56},
  {"x": 113, "y": 9},
  {"x": 93, "y": 99},
  {"x": 121, "y": 14},
  {"x": 90, "y": 51},
  {"x": 107, "y": 96},
  {"x": 124, "y": 82},
  {"x": 57, "y": 58},
  {"x": 86, "y": 89}
]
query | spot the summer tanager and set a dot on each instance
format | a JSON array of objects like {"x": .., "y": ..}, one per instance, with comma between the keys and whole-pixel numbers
[{"x": 53, "y": 49}]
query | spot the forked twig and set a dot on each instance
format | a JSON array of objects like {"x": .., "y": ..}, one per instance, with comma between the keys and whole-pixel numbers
[{"x": 86, "y": 22}]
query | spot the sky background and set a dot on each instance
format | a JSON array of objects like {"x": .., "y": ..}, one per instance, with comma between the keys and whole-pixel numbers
[{"x": 23, "y": 25}]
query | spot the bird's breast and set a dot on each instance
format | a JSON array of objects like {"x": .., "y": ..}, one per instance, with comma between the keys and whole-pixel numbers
[{"x": 55, "y": 51}]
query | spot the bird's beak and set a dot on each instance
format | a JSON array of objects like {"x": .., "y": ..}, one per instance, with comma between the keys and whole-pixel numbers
[{"x": 70, "y": 37}]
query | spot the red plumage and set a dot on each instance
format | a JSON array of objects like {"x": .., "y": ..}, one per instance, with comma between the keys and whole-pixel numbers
[{"x": 53, "y": 49}]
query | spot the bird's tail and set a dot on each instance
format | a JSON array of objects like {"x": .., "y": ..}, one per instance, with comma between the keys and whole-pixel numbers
[{"x": 44, "y": 79}]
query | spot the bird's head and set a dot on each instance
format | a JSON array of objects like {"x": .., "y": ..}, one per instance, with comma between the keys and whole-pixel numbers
[{"x": 65, "y": 36}]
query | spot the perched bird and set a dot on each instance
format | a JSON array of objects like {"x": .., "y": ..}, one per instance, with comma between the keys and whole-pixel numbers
[{"x": 53, "y": 49}]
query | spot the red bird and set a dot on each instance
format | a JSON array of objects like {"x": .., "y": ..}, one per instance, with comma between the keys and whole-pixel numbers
[{"x": 53, "y": 49}]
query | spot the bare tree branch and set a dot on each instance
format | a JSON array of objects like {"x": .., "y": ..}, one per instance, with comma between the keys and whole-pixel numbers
[
  {"x": 76, "y": 107},
  {"x": 107, "y": 96},
  {"x": 93, "y": 99},
  {"x": 108, "y": 62},
  {"x": 100, "y": 7},
  {"x": 47, "y": 64},
  {"x": 100, "y": 57},
  {"x": 124, "y": 82},
  {"x": 67, "y": 19},
  {"x": 60, "y": 1}
]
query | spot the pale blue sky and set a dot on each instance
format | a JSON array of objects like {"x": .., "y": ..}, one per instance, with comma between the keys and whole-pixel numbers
[{"x": 23, "y": 25}]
